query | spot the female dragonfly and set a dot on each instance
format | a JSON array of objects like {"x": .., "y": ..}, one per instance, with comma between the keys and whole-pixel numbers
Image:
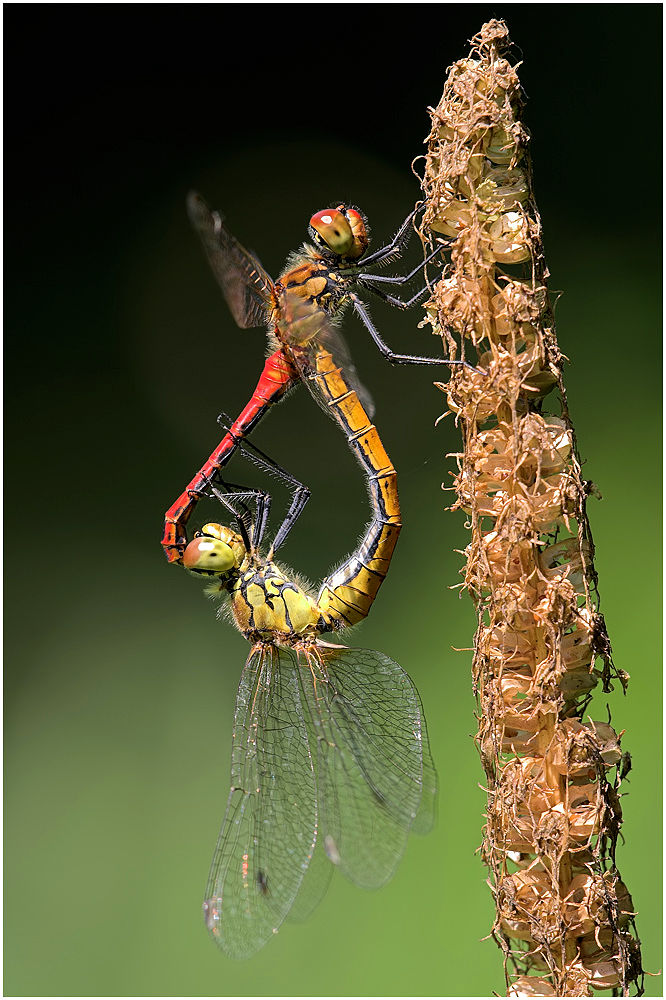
[{"x": 330, "y": 762}]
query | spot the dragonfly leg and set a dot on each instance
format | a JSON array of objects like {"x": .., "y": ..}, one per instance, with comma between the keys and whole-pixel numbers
[
  {"x": 393, "y": 300},
  {"x": 396, "y": 245},
  {"x": 400, "y": 359},
  {"x": 233, "y": 497},
  {"x": 401, "y": 279},
  {"x": 300, "y": 493},
  {"x": 299, "y": 499},
  {"x": 277, "y": 378}
]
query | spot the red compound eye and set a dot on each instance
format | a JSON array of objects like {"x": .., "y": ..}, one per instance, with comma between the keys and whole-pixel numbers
[
  {"x": 334, "y": 230},
  {"x": 359, "y": 232}
]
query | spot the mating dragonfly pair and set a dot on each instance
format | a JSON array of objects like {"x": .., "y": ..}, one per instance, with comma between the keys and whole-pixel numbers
[{"x": 331, "y": 765}]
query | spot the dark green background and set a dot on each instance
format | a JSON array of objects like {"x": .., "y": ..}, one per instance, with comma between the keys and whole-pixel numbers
[{"x": 119, "y": 355}]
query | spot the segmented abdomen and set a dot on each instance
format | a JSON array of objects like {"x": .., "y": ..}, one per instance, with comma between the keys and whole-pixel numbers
[{"x": 346, "y": 596}]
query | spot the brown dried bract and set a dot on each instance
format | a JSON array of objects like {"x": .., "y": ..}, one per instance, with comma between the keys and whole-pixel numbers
[{"x": 564, "y": 918}]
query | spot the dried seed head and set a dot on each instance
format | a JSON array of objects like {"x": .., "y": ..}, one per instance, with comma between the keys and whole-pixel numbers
[{"x": 553, "y": 814}]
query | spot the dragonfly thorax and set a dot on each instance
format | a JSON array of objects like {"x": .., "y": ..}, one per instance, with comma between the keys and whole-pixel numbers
[{"x": 266, "y": 604}]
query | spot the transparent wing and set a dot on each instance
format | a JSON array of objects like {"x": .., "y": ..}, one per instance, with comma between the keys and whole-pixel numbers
[
  {"x": 319, "y": 350},
  {"x": 269, "y": 830},
  {"x": 426, "y": 816},
  {"x": 376, "y": 779},
  {"x": 247, "y": 287},
  {"x": 331, "y": 340},
  {"x": 313, "y": 888}
]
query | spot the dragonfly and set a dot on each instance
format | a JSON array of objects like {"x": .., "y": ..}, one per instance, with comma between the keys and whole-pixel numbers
[
  {"x": 300, "y": 311},
  {"x": 330, "y": 762}
]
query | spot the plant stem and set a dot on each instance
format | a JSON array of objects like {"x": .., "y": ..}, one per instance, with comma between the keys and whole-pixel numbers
[{"x": 564, "y": 919}]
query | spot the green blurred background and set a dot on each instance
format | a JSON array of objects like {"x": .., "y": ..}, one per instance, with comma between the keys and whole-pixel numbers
[{"x": 119, "y": 355}]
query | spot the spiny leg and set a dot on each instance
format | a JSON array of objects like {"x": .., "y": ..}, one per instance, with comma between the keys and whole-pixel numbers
[
  {"x": 392, "y": 300},
  {"x": 277, "y": 378},
  {"x": 400, "y": 359},
  {"x": 300, "y": 493},
  {"x": 395, "y": 246},
  {"x": 233, "y": 497},
  {"x": 367, "y": 281},
  {"x": 400, "y": 279}
]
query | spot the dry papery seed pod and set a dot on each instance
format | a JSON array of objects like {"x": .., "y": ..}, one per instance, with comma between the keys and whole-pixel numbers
[{"x": 564, "y": 918}]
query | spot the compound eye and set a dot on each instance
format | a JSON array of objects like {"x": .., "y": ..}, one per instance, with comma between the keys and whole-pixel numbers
[
  {"x": 334, "y": 230},
  {"x": 208, "y": 556},
  {"x": 359, "y": 232}
]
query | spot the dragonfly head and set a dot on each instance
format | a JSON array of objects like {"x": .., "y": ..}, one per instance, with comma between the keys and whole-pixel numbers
[
  {"x": 342, "y": 231},
  {"x": 214, "y": 551}
]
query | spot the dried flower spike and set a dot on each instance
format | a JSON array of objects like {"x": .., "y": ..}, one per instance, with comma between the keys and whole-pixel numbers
[{"x": 564, "y": 920}]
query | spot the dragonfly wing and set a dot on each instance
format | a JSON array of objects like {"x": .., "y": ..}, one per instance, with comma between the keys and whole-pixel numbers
[
  {"x": 426, "y": 817},
  {"x": 247, "y": 287},
  {"x": 318, "y": 346},
  {"x": 376, "y": 779},
  {"x": 330, "y": 339},
  {"x": 314, "y": 886},
  {"x": 269, "y": 830}
]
